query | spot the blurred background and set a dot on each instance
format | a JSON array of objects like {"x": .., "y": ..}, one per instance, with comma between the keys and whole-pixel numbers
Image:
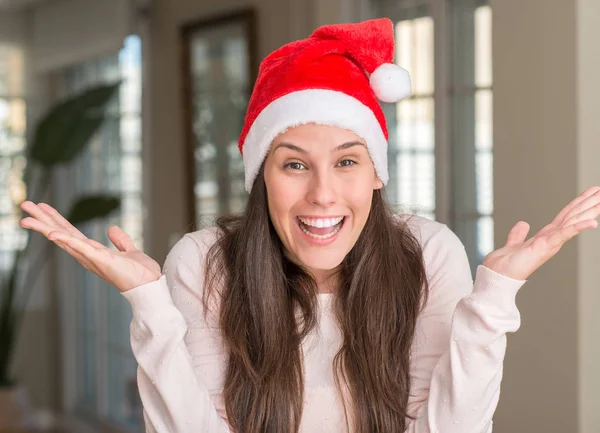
[{"x": 502, "y": 126}]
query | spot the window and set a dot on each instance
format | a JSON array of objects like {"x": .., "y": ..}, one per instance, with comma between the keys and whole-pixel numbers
[
  {"x": 106, "y": 370},
  {"x": 218, "y": 68},
  {"x": 440, "y": 146},
  {"x": 412, "y": 137},
  {"x": 483, "y": 130},
  {"x": 12, "y": 159}
]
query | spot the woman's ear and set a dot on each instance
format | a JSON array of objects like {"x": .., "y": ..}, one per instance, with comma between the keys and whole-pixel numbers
[{"x": 378, "y": 183}]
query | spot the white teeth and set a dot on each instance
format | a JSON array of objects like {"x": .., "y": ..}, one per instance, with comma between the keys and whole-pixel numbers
[
  {"x": 321, "y": 222},
  {"x": 328, "y": 235}
]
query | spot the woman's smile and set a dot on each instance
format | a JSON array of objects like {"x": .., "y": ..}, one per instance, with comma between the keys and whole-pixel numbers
[{"x": 320, "y": 231}]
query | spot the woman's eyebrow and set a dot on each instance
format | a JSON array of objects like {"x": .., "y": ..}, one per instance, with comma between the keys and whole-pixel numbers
[
  {"x": 290, "y": 146},
  {"x": 347, "y": 145},
  {"x": 342, "y": 146}
]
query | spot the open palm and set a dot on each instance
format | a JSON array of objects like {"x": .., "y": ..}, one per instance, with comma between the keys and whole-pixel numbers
[
  {"x": 520, "y": 258},
  {"x": 125, "y": 268}
]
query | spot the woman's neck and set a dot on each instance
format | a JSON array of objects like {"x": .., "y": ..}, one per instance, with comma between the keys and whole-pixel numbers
[{"x": 327, "y": 280}]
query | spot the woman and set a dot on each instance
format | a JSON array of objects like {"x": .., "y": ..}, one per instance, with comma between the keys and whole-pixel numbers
[{"x": 319, "y": 310}]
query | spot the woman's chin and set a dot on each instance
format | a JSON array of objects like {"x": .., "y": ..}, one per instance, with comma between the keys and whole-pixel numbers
[{"x": 320, "y": 261}]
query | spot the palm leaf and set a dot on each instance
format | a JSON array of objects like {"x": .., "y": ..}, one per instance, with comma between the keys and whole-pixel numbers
[
  {"x": 91, "y": 207},
  {"x": 64, "y": 132}
]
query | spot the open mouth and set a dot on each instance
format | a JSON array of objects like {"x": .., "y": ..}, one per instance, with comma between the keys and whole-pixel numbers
[{"x": 322, "y": 228}]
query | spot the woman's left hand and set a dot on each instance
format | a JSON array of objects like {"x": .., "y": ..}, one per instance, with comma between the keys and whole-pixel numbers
[{"x": 520, "y": 258}]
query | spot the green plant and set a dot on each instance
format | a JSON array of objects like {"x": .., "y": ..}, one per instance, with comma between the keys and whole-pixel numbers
[{"x": 60, "y": 136}]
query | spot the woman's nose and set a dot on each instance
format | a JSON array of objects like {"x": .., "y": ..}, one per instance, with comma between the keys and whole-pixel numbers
[{"x": 321, "y": 190}]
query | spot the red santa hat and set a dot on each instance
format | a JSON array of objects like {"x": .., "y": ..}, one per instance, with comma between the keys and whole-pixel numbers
[{"x": 334, "y": 77}]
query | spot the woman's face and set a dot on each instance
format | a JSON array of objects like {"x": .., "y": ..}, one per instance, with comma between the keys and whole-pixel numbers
[{"x": 320, "y": 181}]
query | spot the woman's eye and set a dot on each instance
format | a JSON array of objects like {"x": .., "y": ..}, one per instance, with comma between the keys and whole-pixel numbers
[
  {"x": 294, "y": 166},
  {"x": 347, "y": 163}
]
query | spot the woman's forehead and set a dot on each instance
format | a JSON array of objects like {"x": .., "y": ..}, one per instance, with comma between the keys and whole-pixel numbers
[{"x": 317, "y": 134}]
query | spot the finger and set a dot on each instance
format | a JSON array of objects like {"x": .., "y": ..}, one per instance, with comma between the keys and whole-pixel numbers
[
  {"x": 517, "y": 234},
  {"x": 61, "y": 221},
  {"x": 548, "y": 228},
  {"x": 77, "y": 244},
  {"x": 95, "y": 244},
  {"x": 564, "y": 214},
  {"x": 37, "y": 225},
  {"x": 79, "y": 249},
  {"x": 80, "y": 258},
  {"x": 36, "y": 212},
  {"x": 45, "y": 230},
  {"x": 44, "y": 218},
  {"x": 62, "y": 240},
  {"x": 589, "y": 212},
  {"x": 557, "y": 239},
  {"x": 120, "y": 239},
  {"x": 583, "y": 196}
]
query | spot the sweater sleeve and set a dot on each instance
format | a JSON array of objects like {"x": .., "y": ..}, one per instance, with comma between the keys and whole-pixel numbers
[
  {"x": 460, "y": 341},
  {"x": 174, "y": 397}
]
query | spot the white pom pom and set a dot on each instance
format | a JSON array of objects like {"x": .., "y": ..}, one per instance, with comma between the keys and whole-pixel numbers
[{"x": 390, "y": 82}]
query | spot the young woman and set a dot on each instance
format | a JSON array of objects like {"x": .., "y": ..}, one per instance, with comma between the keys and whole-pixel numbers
[{"x": 318, "y": 309}]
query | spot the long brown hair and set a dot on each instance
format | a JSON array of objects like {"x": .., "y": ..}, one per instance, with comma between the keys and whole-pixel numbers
[{"x": 268, "y": 305}]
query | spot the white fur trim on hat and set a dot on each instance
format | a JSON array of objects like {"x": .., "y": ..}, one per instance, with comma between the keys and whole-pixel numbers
[{"x": 325, "y": 107}]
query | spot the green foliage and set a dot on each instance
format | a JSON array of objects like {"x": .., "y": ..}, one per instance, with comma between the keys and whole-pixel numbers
[
  {"x": 92, "y": 207},
  {"x": 67, "y": 129}
]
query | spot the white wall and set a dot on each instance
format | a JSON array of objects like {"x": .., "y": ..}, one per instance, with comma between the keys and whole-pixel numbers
[
  {"x": 13, "y": 26},
  {"x": 66, "y": 32},
  {"x": 588, "y": 170}
]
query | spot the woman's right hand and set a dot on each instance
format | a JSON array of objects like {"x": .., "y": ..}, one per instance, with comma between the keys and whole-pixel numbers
[{"x": 125, "y": 269}]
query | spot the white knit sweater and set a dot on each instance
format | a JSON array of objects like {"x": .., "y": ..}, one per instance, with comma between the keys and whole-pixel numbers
[{"x": 456, "y": 363}]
